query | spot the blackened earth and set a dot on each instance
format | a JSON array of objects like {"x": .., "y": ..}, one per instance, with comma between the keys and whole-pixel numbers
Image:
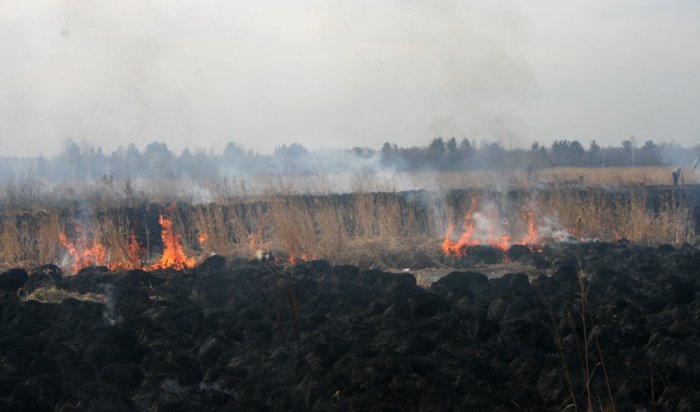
[{"x": 263, "y": 337}]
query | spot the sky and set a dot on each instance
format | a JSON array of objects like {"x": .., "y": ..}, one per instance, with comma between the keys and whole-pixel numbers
[{"x": 327, "y": 73}]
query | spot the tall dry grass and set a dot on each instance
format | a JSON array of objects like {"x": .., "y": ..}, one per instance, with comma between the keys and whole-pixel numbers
[
  {"x": 29, "y": 237},
  {"x": 614, "y": 176},
  {"x": 626, "y": 215},
  {"x": 364, "y": 227}
]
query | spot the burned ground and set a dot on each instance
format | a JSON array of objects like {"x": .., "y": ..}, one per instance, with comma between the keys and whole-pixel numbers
[{"x": 261, "y": 336}]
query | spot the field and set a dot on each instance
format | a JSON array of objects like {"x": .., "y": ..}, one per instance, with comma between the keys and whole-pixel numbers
[
  {"x": 371, "y": 224},
  {"x": 421, "y": 292}
]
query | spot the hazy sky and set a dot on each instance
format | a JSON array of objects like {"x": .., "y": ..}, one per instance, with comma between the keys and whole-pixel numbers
[{"x": 346, "y": 73}]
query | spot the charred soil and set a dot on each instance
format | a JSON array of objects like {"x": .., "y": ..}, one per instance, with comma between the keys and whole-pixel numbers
[{"x": 615, "y": 326}]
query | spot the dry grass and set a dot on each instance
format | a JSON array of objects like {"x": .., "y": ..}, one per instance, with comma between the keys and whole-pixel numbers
[
  {"x": 28, "y": 237},
  {"x": 53, "y": 294},
  {"x": 614, "y": 176},
  {"x": 365, "y": 227},
  {"x": 516, "y": 178},
  {"x": 612, "y": 217}
]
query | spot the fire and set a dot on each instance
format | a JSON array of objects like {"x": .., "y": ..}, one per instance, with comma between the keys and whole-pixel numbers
[
  {"x": 503, "y": 243},
  {"x": 293, "y": 260},
  {"x": 531, "y": 236},
  {"x": 486, "y": 228},
  {"x": 173, "y": 253},
  {"x": 447, "y": 243},
  {"x": 134, "y": 255},
  {"x": 252, "y": 245},
  {"x": 128, "y": 255},
  {"x": 83, "y": 252},
  {"x": 466, "y": 240},
  {"x": 202, "y": 238}
]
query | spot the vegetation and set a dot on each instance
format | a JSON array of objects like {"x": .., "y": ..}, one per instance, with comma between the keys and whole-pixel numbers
[
  {"x": 81, "y": 162},
  {"x": 365, "y": 228}
]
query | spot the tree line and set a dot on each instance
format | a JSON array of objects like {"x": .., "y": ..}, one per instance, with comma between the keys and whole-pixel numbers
[{"x": 82, "y": 161}]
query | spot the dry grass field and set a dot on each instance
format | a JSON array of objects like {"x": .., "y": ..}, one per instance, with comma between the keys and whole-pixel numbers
[{"x": 375, "y": 225}]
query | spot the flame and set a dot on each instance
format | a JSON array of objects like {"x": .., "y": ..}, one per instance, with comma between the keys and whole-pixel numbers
[
  {"x": 503, "y": 243},
  {"x": 293, "y": 260},
  {"x": 486, "y": 229},
  {"x": 86, "y": 252},
  {"x": 459, "y": 248},
  {"x": 447, "y": 243},
  {"x": 202, "y": 238},
  {"x": 532, "y": 238},
  {"x": 83, "y": 252},
  {"x": 252, "y": 245},
  {"x": 173, "y": 254},
  {"x": 134, "y": 255}
]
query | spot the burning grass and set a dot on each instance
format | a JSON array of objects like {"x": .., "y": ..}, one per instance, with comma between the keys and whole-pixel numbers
[
  {"x": 94, "y": 249},
  {"x": 409, "y": 229},
  {"x": 173, "y": 252}
]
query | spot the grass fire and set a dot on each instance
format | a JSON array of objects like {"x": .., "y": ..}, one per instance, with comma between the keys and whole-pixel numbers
[
  {"x": 219, "y": 300},
  {"x": 434, "y": 238},
  {"x": 349, "y": 206}
]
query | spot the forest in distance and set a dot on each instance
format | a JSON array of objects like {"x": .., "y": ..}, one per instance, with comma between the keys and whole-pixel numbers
[{"x": 81, "y": 161}]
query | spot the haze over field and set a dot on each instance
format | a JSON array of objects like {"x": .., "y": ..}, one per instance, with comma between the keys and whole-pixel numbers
[{"x": 342, "y": 74}]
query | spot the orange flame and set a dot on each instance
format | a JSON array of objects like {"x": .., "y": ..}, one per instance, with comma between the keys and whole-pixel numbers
[
  {"x": 252, "y": 244},
  {"x": 487, "y": 233},
  {"x": 202, "y": 238},
  {"x": 447, "y": 244},
  {"x": 173, "y": 254},
  {"x": 293, "y": 260},
  {"x": 459, "y": 248},
  {"x": 134, "y": 254},
  {"x": 85, "y": 253},
  {"x": 532, "y": 238},
  {"x": 503, "y": 243}
]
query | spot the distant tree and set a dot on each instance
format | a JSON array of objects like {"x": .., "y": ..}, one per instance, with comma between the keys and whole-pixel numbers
[
  {"x": 566, "y": 153},
  {"x": 233, "y": 151},
  {"x": 492, "y": 156},
  {"x": 576, "y": 150},
  {"x": 594, "y": 154},
  {"x": 294, "y": 150},
  {"x": 452, "y": 145},
  {"x": 465, "y": 146},
  {"x": 159, "y": 158},
  {"x": 628, "y": 152},
  {"x": 437, "y": 146},
  {"x": 649, "y": 154},
  {"x": 363, "y": 152},
  {"x": 538, "y": 156},
  {"x": 389, "y": 154},
  {"x": 455, "y": 159},
  {"x": 82, "y": 161},
  {"x": 435, "y": 156},
  {"x": 291, "y": 159}
]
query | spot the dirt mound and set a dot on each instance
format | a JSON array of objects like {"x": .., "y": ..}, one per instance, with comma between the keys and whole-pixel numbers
[{"x": 257, "y": 336}]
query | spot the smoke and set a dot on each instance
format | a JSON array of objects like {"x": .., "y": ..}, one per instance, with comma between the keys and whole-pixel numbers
[
  {"x": 109, "y": 314},
  {"x": 675, "y": 155},
  {"x": 325, "y": 73}
]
